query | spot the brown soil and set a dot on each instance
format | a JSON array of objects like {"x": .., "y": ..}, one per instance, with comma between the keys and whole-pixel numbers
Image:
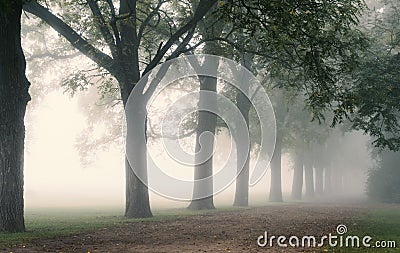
[{"x": 225, "y": 231}]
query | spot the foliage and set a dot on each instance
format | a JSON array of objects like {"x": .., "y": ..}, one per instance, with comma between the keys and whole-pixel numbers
[
  {"x": 384, "y": 179},
  {"x": 377, "y": 83},
  {"x": 317, "y": 41}
]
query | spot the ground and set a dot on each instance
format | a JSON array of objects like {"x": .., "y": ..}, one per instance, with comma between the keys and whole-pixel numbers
[{"x": 217, "y": 231}]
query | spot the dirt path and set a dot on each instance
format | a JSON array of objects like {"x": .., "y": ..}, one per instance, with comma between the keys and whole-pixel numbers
[{"x": 231, "y": 231}]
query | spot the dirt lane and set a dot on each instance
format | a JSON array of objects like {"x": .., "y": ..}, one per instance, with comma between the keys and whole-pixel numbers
[{"x": 231, "y": 231}]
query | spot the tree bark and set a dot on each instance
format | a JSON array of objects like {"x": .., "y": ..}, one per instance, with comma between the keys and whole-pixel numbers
[
  {"x": 207, "y": 123},
  {"x": 243, "y": 154},
  {"x": 309, "y": 177},
  {"x": 137, "y": 193},
  {"x": 297, "y": 186},
  {"x": 275, "y": 194},
  {"x": 14, "y": 97}
]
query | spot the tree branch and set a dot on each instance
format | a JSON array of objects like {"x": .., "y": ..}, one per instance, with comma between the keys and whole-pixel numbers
[
  {"x": 31, "y": 57},
  {"x": 202, "y": 8},
  {"x": 101, "y": 24},
  {"x": 113, "y": 23},
  {"x": 146, "y": 22},
  {"x": 102, "y": 59}
]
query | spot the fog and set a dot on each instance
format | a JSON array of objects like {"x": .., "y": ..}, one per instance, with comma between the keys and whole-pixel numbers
[{"x": 55, "y": 176}]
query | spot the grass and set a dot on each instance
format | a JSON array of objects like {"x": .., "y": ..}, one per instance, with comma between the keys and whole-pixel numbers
[
  {"x": 52, "y": 223},
  {"x": 47, "y": 224},
  {"x": 381, "y": 225}
]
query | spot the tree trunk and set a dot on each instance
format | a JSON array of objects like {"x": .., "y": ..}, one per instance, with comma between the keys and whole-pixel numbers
[
  {"x": 203, "y": 169},
  {"x": 14, "y": 97},
  {"x": 319, "y": 178},
  {"x": 297, "y": 186},
  {"x": 275, "y": 194},
  {"x": 309, "y": 177},
  {"x": 137, "y": 193},
  {"x": 243, "y": 154}
]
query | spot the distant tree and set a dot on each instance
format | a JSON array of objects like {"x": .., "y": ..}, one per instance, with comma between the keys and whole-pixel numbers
[
  {"x": 384, "y": 179},
  {"x": 14, "y": 97},
  {"x": 316, "y": 44}
]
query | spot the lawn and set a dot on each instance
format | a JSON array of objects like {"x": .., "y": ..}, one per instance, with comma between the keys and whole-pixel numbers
[
  {"x": 227, "y": 228},
  {"x": 382, "y": 224}
]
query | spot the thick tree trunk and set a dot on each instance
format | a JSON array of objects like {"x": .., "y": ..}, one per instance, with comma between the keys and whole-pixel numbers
[
  {"x": 275, "y": 194},
  {"x": 319, "y": 180},
  {"x": 297, "y": 186},
  {"x": 14, "y": 97},
  {"x": 203, "y": 162},
  {"x": 309, "y": 177},
  {"x": 243, "y": 154},
  {"x": 137, "y": 193}
]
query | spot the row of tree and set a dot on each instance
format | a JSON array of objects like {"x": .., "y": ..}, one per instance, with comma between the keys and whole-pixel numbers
[{"x": 314, "y": 50}]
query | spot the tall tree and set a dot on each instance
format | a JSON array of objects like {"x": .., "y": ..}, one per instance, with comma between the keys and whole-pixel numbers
[
  {"x": 123, "y": 29},
  {"x": 275, "y": 193},
  {"x": 207, "y": 120},
  {"x": 297, "y": 185},
  {"x": 243, "y": 151},
  {"x": 203, "y": 169},
  {"x": 14, "y": 97}
]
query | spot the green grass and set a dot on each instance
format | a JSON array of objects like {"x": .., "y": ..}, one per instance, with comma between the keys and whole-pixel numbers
[
  {"x": 52, "y": 223},
  {"x": 382, "y": 224}
]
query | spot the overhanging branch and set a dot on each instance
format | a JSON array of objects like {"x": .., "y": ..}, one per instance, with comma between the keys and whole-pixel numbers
[{"x": 102, "y": 59}]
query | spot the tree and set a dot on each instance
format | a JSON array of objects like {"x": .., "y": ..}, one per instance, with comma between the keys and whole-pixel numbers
[
  {"x": 316, "y": 43},
  {"x": 125, "y": 29},
  {"x": 384, "y": 180},
  {"x": 203, "y": 190},
  {"x": 275, "y": 193},
  {"x": 377, "y": 111},
  {"x": 376, "y": 86},
  {"x": 14, "y": 97},
  {"x": 207, "y": 120},
  {"x": 243, "y": 153},
  {"x": 297, "y": 185}
]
